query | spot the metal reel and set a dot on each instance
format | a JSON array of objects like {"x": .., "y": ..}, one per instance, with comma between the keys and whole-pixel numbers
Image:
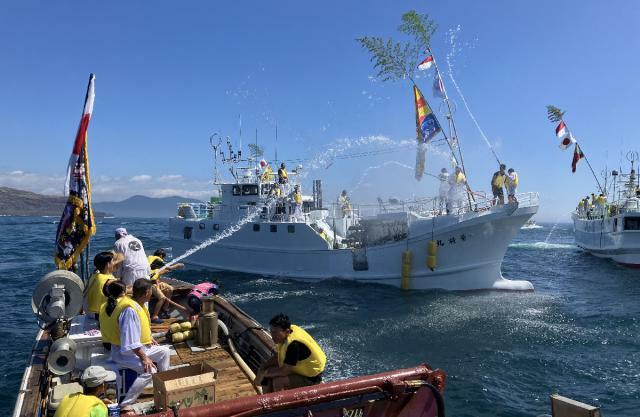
[{"x": 64, "y": 281}]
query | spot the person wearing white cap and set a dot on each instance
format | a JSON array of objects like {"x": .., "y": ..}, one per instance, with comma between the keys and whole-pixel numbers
[
  {"x": 94, "y": 380},
  {"x": 135, "y": 264}
]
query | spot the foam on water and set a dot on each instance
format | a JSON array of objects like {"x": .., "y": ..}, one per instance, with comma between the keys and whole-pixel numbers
[{"x": 542, "y": 245}]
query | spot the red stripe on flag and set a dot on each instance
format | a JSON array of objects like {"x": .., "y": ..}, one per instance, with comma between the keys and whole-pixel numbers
[{"x": 82, "y": 133}]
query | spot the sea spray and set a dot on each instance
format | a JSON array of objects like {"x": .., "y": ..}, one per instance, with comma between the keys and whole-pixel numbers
[{"x": 450, "y": 67}]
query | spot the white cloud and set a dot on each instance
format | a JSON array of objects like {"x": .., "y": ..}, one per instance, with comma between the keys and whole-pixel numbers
[
  {"x": 107, "y": 188},
  {"x": 16, "y": 172},
  {"x": 165, "y": 178},
  {"x": 141, "y": 178}
]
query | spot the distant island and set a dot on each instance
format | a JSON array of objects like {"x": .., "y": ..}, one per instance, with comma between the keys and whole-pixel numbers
[{"x": 15, "y": 202}]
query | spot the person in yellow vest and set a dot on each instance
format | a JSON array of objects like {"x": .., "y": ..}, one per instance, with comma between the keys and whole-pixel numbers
[
  {"x": 497, "y": 184},
  {"x": 345, "y": 204},
  {"x": 457, "y": 190},
  {"x": 125, "y": 324},
  {"x": 161, "y": 290},
  {"x": 94, "y": 382},
  {"x": 94, "y": 293},
  {"x": 283, "y": 177},
  {"x": 297, "y": 199},
  {"x": 298, "y": 361},
  {"x": 511, "y": 182}
]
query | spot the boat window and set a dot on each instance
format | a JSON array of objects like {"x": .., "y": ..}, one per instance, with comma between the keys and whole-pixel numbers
[
  {"x": 201, "y": 226},
  {"x": 265, "y": 189},
  {"x": 291, "y": 228},
  {"x": 188, "y": 231},
  {"x": 249, "y": 189},
  {"x": 632, "y": 223},
  {"x": 256, "y": 227},
  {"x": 273, "y": 228},
  {"x": 236, "y": 190},
  {"x": 216, "y": 226}
]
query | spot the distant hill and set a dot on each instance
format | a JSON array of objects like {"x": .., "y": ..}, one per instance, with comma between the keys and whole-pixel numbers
[
  {"x": 141, "y": 206},
  {"x": 15, "y": 202}
]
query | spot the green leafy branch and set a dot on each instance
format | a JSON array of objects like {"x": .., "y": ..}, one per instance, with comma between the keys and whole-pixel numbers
[
  {"x": 554, "y": 114},
  {"x": 398, "y": 60}
]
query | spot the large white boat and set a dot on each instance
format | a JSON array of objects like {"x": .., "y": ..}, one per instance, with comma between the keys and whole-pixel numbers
[
  {"x": 385, "y": 243},
  {"x": 612, "y": 230}
]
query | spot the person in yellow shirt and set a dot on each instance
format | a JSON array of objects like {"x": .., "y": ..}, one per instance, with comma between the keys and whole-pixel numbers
[
  {"x": 161, "y": 290},
  {"x": 94, "y": 293},
  {"x": 297, "y": 199},
  {"x": 298, "y": 361},
  {"x": 497, "y": 184},
  {"x": 94, "y": 382}
]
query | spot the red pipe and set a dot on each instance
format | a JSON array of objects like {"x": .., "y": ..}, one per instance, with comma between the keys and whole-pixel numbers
[{"x": 392, "y": 382}]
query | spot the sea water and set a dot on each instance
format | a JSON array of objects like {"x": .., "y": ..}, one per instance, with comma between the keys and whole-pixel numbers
[{"x": 578, "y": 334}]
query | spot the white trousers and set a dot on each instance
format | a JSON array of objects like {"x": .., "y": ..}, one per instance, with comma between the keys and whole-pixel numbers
[{"x": 158, "y": 354}]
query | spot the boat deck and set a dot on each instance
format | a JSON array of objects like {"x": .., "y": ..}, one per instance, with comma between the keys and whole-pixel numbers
[{"x": 231, "y": 381}]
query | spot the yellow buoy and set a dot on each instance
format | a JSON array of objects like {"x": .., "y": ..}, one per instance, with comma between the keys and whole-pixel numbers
[
  {"x": 432, "y": 252},
  {"x": 177, "y": 337},
  {"x": 186, "y": 325},
  {"x": 405, "y": 280},
  {"x": 175, "y": 327}
]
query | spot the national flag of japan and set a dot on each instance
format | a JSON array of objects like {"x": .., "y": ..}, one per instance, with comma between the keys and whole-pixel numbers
[
  {"x": 561, "y": 130},
  {"x": 567, "y": 141},
  {"x": 577, "y": 156},
  {"x": 76, "y": 224},
  {"x": 426, "y": 64}
]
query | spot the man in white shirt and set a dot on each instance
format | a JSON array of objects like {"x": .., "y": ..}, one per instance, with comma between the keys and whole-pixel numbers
[
  {"x": 127, "y": 328},
  {"x": 135, "y": 264}
]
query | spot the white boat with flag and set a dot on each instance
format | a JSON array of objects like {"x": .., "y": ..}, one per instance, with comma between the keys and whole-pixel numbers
[{"x": 259, "y": 223}]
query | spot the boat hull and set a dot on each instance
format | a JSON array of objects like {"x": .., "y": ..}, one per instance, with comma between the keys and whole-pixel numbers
[{"x": 471, "y": 248}]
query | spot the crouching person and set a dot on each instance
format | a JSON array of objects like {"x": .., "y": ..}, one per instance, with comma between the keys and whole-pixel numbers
[
  {"x": 126, "y": 325},
  {"x": 298, "y": 361},
  {"x": 94, "y": 382}
]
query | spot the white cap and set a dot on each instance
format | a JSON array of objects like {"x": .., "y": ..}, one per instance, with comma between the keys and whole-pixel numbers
[
  {"x": 96, "y": 375},
  {"x": 120, "y": 232}
]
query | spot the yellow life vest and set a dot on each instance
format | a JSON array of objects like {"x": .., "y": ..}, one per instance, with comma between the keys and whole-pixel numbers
[
  {"x": 314, "y": 364},
  {"x": 110, "y": 325},
  {"x": 95, "y": 296},
  {"x": 498, "y": 180},
  {"x": 78, "y": 405},
  {"x": 154, "y": 272},
  {"x": 515, "y": 181},
  {"x": 297, "y": 198},
  {"x": 460, "y": 178},
  {"x": 266, "y": 174}
]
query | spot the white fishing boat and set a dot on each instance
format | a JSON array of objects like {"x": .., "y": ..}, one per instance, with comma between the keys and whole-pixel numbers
[
  {"x": 381, "y": 243},
  {"x": 612, "y": 229},
  {"x": 531, "y": 224}
]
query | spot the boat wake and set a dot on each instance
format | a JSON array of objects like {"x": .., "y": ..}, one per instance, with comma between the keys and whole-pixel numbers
[{"x": 542, "y": 245}]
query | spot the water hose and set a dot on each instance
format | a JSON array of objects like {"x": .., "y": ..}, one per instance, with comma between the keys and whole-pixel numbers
[{"x": 234, "y": 352}]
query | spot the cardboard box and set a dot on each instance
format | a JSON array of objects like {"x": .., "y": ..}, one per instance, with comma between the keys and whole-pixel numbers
[{"x": 191, "y": 386}]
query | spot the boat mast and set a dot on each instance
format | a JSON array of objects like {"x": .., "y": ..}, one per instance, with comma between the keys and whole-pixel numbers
[{"x": 452, "y": 125}]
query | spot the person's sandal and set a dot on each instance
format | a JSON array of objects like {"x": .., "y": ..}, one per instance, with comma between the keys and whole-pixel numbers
[{"x": 157, "y": 321}]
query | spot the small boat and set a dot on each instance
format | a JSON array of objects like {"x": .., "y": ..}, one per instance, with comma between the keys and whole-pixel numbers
[
  {"x": 530, "y": 224},
  {"x": 69, "y": 342},
  {"x": 611, "y": 228}
]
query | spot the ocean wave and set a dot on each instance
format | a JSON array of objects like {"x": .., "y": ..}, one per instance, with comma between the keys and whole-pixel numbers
[{"x": 542, "y": 245}]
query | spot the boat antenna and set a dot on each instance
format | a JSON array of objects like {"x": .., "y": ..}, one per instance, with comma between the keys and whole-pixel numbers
[
  {"x": 240, "y": 128},
  {"x": 276, "y": 160}
]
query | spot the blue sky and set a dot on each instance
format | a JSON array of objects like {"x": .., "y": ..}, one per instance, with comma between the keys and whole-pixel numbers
[{"x": 169, "y": 74}]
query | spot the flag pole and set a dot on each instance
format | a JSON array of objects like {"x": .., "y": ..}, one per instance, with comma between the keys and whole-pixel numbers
[
  {"x": 590, "y": 168},
  {"x": 452, "y": 125}
]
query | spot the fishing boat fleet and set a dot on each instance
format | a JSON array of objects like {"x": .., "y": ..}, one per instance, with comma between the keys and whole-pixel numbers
[{"x": 265, "y": 222}]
